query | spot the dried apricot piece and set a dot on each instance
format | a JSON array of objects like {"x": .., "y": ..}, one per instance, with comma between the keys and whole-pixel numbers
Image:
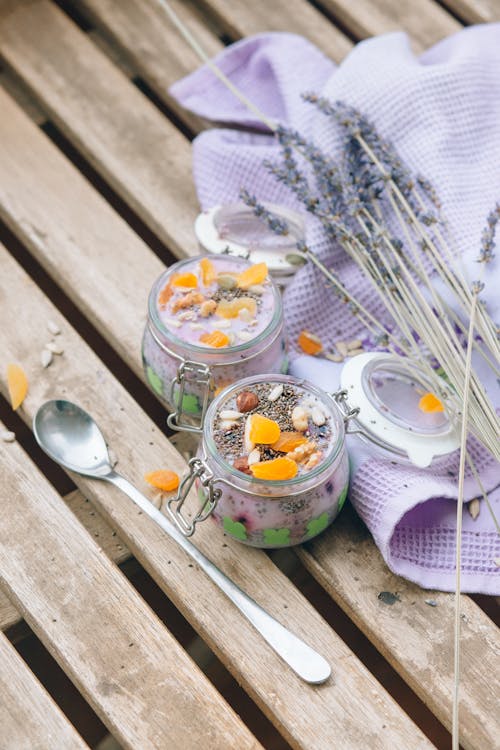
[
  {"x": 232, "y": 308},
  {"x": 277, "y": 468},
  {"x": 165, "y": 295},
  {"x": 288, "y": 441},
  {"x": 309, "y": 343},
  {"x": 253, "y": 275},
  {"x": 215, "y": 339},
  {"x": 185, "y": 279},
  {"x": 263, "y": 430},
  {"x": 208, "y": 273},
  {"x": 163, "y": 479},
  {"x": 17, "y": 383},
  {"x": 429, "y": 403}
]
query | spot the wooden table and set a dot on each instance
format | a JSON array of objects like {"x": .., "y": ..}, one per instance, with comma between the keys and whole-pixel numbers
[{"x": 96, "y": 196}]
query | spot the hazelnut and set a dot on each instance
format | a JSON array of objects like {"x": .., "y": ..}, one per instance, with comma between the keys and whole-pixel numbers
[
  {"x": 241, "y": 464},
  {"x": 246, "y": 401}
]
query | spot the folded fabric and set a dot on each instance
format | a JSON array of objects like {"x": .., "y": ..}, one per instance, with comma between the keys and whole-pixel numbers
[{"x": 441, "y": 110}]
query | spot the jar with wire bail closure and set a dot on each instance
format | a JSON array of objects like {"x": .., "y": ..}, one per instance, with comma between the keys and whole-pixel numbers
[
  {"x": 212, "y": 320},
  {"x": 272, "y": 468}
]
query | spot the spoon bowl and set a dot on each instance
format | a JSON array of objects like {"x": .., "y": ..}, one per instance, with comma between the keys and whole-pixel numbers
[{"x": 71, "y": 438}]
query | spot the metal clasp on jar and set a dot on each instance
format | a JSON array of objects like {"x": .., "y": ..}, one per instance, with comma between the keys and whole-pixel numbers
[
  {"x": 198, "y": 375},
  {"x": 198, "y": 469},
  {"x": 349, "y": 413}
]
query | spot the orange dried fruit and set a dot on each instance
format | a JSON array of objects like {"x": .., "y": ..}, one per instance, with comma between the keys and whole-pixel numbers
[
  {"x": 215, "y": 339},
  {"x": 288, "y": 441},
  {"x": 263, "y": 430},
  {"x": 208, "y": 273},
  {"x": 185, "y": 279},
  {"x": 278, "y": 468},
  {"x": 429, "y": 403},
  {"x": 165, "y": 294},
  {"x": 17, "y": 383},
  {"x": 163, "y": 479},
  {"x": 254, "y": 275},
  {"x": 309, "y": 343},
  {"x": 232, "y": 308}
]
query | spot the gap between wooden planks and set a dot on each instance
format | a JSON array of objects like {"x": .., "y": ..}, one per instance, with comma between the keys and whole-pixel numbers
[
  {"x": 130, "y": 669},
  {"x": 47, "y": 229},
  {"x": 29, "y": 718}
]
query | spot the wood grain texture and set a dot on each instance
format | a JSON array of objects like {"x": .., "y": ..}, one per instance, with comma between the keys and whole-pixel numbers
[
  {"x": 107, "y": 539},
  {"x": 475, "y": 11},
  {"x": 113, "y": 647},
  {"x": 352, "y": 706},
  {"x": 29, "y": 718},
  {"x": 424, "y": 21},
  {"x": 123, "y": 135},
  {"x": 416, "y": 638},
  {"x": 241, "y": 18}
]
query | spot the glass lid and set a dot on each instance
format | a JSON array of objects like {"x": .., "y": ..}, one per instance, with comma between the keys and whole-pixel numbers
[
  {"x": 397, "y": 409},
  {"x": 234, "y": 229}
]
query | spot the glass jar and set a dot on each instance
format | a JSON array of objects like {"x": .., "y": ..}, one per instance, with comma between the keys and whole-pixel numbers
[
  {"x": 186, "y": 373},
  {"x": 260, "y": 512}
]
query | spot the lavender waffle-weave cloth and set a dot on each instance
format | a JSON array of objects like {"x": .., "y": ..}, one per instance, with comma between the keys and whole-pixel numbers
[{"x": 441, "y": 111}]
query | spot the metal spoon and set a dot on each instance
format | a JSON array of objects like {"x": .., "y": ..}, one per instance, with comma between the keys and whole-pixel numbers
[{"x": 71, "y": 438}]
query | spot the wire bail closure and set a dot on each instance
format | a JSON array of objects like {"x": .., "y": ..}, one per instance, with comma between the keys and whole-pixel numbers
[
  {"x": 199, "y": 375},
  {"x": 198, "y": 470}
]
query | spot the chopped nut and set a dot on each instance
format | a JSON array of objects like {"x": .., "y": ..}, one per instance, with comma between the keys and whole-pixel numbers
[
  {"x": 354, "y": 344},
  {"x": 313, "y": 460},
  {"x": 53, "y": 328},
  {"x": 208, "y": 308},
  {"x": 318, "y": 416},
  {"x": 341, "y": 347},
  {"x": 230, "y": 414},
  {"x": 189, "y": 299},
  {"x": 276, "y": 392},
  {"x": 45, "y": 358},
  {"x": 7, "y": 436},
  {"x": 334, "y": 357},
  {"x": 300, "y": 419},
  {"x": 246, "y": 401},
  {"x": 221, "y": 323},
  {"x": 241, "y": 464},
  {"x": 187, "y": 315},
  {"x": 227, "y": 424},
  {"x": 245, "y": 336},
  {"x": 226, "y": 281},
  {"x": 54, "y": 347},
  {"x": 254, "y": 457},
  {"x": 474, "y": 508},
  {"x": 172, "y": 323},
  {"x": 302, "y": 451}
]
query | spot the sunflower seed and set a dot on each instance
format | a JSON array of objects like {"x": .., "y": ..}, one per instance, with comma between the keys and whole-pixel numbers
[
  {"x": 227, "y": 424},
  {"x": 45, "y": 357},
  {"x": 53, "y": 328},
  {"x": 341, "y": 347},
  {"x": 256, "y": 289},
  {"x": 318, "y": 416},
  {"x": 7, "y": 436},
  {"x": 230, "y": 414},
  {"x": 254, "y": 457},
  {"x": 496, "y": 560},
  {"x": 276, "y": 392},
  {"x": 431, "y": 602},
  {"x": 172, "y": 323},
  {"x": 221, "y": 323},
  {"x": 474, "y": 508},
  {"x": 245, "y": 336},
  {"x": 54, "y": 347},
  {"x": 334, "y": 357}
]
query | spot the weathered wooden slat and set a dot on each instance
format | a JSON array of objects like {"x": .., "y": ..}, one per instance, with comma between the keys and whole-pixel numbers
[
  {"x": 415, "y": 637},
  {"x": 107, "y": 539},
  {"x": 425, "y": 22},
  {"x": 475, "y": 11},
  {"x": 114, "y": 648},
  {"x": 137, "y": 150},
  {"x": 352, "y": 706},
  {"x": 29, "y": 718}
]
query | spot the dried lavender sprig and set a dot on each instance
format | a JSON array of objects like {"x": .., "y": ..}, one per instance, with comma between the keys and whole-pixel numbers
[{"x": 275, "y": 224}]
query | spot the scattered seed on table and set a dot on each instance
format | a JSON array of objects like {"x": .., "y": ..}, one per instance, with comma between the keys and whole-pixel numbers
[
  {"x": 7, "y": 436},
  {"x": 355, "y": 352},
  {"x": 354, "y": 344},
  {"x": 496, "y": 560},
  {"x": 54, "y": 347},
  {"x": 113, "y": 460},
  {"x": 45, "y": 358},
  {"x": 431, "y": 602},
  {"x": 334, "y": 357},
  {"x": 341, "y": 347},
  {"x": 387, "y": 597},
  {"x": 53, "y": 328}
]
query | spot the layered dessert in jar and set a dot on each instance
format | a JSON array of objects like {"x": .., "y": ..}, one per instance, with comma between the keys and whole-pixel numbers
[
  {"x": 212, "y": 320},
  {"x": 276, "y": 448}
]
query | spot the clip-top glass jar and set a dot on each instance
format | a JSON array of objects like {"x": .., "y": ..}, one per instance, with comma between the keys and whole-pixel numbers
[
  {"x": 209, "y": 326},
  {"x": 303, "y": 449}
]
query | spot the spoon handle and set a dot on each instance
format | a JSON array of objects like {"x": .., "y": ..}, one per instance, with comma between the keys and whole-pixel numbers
[{"x": 306, "y": 662}]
